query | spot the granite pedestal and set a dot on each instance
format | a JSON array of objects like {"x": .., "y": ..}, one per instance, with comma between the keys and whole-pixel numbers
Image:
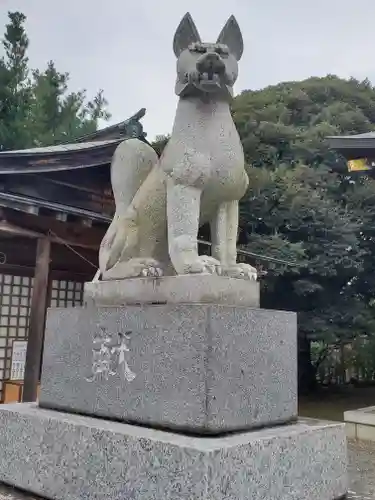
[
  {"x": 196, "y": 368},
  {"x": 69, "y": 457},
  {"x": 203, "y": 387}
]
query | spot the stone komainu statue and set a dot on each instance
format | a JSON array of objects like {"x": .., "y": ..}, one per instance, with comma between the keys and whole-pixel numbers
[{"x": 160, "y": 203}]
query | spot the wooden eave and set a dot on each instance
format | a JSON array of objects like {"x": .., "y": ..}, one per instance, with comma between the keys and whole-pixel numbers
[
  {"x": 73, "y": 233},
  {"x": 8, "y": 229},
  {"x": 32, "y": 208},
  {"x": 24, "y": 204}
]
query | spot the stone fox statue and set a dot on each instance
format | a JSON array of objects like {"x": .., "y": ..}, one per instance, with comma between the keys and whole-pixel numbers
[{"x": 160, "y": 203}]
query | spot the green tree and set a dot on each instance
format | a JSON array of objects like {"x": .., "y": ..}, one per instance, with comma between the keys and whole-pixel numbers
[
  {"x": 15, "y": 92},
  {"x": 59, "y": 115},
  {"x": 303, "y": 203},
  {"x": 36, "y": 106}
]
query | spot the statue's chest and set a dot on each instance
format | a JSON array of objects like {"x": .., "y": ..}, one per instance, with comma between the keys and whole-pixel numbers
[
  {"x": 207, "y": 152},
  {"x": 226, "y": 176},
  {"x": 218, "y": 141},
  {"x": 222, "y": 147}
]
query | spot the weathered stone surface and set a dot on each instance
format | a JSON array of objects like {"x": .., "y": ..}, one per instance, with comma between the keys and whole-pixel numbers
[
  {"x": 69, "y": 457},
  {"x": 190, "y": 289},
  {"x": 201, "y": 368}
]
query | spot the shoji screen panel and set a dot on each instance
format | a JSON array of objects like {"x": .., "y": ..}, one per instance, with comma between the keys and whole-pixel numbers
[{"x": 66, "y": 293}]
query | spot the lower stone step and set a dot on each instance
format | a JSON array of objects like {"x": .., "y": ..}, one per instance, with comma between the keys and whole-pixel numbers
[
  {"x": 360, "y": 424},
  {"x": 63, "y": 456}
]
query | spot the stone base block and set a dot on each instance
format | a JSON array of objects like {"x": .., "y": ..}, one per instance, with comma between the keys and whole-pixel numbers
[
  {"x": 197, "y": 368},
  {"x": 360, "y": 424},
  {"x": 69, "y": 457},
  {"x": 190, "y": 289}
]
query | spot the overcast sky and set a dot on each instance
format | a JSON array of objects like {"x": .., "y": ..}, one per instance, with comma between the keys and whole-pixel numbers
[{"x": 125, "y": 46}]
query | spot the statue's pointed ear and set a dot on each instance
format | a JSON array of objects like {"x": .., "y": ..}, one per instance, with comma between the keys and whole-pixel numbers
[
  {"x": 231, "y": 36},
  {"x": 186, "y": 34}
]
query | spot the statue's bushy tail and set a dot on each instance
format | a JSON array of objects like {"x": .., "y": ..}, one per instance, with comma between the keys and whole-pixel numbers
[{"x": 132, "y": 161}]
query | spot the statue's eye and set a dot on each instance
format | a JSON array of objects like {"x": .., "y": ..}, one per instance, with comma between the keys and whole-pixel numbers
[
  {"x": 223, "y": 51},
  {"x": 196, "y": 47}
]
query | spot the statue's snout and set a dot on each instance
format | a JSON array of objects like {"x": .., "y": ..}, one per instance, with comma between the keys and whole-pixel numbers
[{"x": 211, "y": 63}]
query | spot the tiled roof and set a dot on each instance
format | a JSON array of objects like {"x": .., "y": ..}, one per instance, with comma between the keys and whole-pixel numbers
[
  {"x": 367, "y": 135},
  {"x": 353, "y": 146},
  {"x": 60, "y": 148},
  {"x": 86, "y": 151}
]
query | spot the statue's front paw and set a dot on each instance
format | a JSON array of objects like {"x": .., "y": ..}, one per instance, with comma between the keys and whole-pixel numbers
[
  {"x": 241, "y": 271},
  {"x": 203, "y": 264}
]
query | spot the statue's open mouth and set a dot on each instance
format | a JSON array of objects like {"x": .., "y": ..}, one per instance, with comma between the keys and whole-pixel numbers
[{"x": 209, "y": 81}]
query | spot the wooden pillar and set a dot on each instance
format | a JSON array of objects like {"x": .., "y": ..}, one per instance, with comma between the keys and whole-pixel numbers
[{"x": 37, "y": 320}]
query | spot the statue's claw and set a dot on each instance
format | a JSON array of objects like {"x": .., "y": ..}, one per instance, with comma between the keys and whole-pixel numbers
[
  {"x": 152, "y": 272},
  {"x": 241, "y": 271},
  {"x": 135, "y": 268},
  {"x": 203, "y": 264}
]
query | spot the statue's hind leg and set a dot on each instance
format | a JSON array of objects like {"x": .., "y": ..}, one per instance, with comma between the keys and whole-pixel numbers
[
  {"x": 135, "y": 260},
  {"x": 143, "y": 233}
]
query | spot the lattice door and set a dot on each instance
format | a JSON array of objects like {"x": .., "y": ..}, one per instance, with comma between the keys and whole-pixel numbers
[{"x": 15, "y": 301}]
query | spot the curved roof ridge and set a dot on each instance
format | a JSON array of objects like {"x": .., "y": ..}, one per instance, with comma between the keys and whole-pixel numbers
[{"x": 85, "y": 151}]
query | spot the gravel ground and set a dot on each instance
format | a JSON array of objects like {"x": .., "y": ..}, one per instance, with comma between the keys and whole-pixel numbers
[
  {"x": 362, "y": 470},
  {"x": 361, "y": 473}
]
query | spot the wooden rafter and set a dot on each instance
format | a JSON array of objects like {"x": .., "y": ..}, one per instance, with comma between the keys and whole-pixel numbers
[{"x": 72, "y": 233}]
